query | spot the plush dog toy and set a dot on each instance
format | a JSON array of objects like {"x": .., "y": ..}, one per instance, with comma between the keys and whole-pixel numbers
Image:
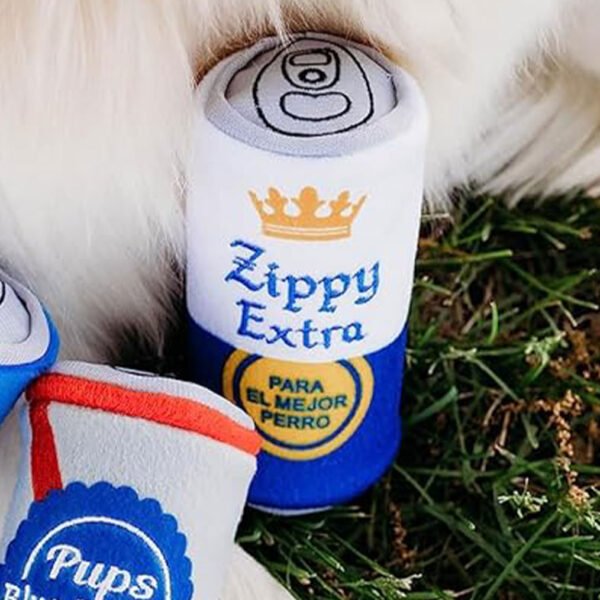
[
  {"x": 28, "y": 341},
  {"x": 303, "y": 216},
  {"x": 131, "y": 486}
]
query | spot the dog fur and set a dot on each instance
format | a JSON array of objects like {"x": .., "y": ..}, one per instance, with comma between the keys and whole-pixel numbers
[
  {"x": 95, "y": 111},
  {"x": 95, "y": 108}
]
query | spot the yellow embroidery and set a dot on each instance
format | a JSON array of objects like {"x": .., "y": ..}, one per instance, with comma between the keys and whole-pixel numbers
[
  {"x": 307, "y": 217},
  {"x": 304, "y": 411}
]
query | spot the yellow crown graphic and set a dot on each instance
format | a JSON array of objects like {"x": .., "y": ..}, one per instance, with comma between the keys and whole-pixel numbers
[{"x": 305, "y": 217}]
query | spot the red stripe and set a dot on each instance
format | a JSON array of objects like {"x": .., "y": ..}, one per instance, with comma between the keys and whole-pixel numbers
[
  {"x": 180, "y": 413},
  {"x": 45, "y": 471}
]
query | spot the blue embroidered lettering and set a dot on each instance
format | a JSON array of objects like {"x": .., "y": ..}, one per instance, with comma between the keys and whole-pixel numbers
[
  {"x": 281, "y": 334},
  {"x": 369, "y": 288},
  {"x": 244, "y": 264},
  {"x": 249, "y": 317},
  {"x": 299, "y": 288},
  {"x": 333, "y": 288}
]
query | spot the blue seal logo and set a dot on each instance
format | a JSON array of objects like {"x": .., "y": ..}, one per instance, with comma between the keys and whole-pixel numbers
[{"x": 97, "y": 543}]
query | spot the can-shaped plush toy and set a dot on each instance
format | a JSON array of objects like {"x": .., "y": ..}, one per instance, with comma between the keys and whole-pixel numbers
[
  {"x": 130, "y": 486},
  {"x": 305, "y": 196},
  {"x": 28, "y": 341}
]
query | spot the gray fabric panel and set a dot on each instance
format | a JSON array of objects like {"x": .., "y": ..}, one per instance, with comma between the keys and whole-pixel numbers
[
  {"x": 312, "y": 87},
  {"x": 14, "y": 318},
  {"x": 318, "y": 95}
]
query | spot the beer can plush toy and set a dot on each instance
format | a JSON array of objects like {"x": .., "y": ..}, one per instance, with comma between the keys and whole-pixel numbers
[
  {"x": 304, "y": 205},
  {"x": 130, "y": 486},
  {"x": 28, "y": 341}
]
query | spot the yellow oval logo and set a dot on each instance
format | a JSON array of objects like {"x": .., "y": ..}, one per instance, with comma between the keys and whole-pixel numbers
[{"x": 303, "y": 410}]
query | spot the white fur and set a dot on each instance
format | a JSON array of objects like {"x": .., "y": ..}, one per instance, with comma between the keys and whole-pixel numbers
[
  {"x": 95, "y": 103},
  {"x": 546, "y": 138},
  {"x": 95, "y": 106}
]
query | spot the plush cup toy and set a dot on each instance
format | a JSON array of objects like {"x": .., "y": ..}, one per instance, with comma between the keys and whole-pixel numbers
[
  {"x": 131, "y": 486},
  {"x": 304, "y": 205},
  {"x": 28, "y": 341}
]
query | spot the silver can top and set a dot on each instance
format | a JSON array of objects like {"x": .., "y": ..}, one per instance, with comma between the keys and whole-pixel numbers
[
  {"x": 314, "y": 95},
  {"x": 312, "y": 87}
]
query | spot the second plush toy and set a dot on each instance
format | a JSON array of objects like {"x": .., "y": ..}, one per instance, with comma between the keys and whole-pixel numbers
[
  {"x": 131, "y": 486},
  {"x": 28, "y": 341}
]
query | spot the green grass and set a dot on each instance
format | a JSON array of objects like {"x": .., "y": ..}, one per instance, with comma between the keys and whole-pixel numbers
[{"x": 494, "y": 492}]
